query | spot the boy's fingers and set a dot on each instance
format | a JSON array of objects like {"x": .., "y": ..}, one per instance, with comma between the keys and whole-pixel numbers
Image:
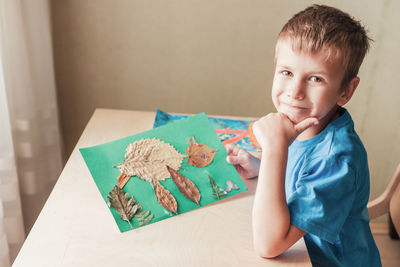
[
  {"x": 232, "y": 149},
  {"x": 229, "y": 148},
  {"x": 233, "y": 160},
  {"x": 305, "y": 124}
]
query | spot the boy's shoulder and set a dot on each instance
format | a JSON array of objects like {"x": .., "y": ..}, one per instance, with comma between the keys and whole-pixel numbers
[
  {"x": 338, "y": 143},
  {"x": 345, "y": 143}
]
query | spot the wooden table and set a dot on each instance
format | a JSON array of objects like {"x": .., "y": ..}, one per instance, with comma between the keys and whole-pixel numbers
[{"x": 75, "y": 227}]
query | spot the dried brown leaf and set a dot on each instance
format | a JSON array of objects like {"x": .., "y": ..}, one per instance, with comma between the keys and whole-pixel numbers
[
  {"x": 147, "y": 158},
  {"x": 165, "y": 198},
  {"x": 125, "y": 206},
  {"x": 146, "y": 220},
  {"x": 200, "y": 155},
  {"x": 122, "y": 179},
  {"x": 187, "y": 187}
]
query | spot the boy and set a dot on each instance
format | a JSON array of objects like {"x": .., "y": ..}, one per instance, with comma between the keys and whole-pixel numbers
[{"x": 313, "y": 177}]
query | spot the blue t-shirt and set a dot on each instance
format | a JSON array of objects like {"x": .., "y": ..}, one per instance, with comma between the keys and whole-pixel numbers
[{"x": 327, "y": 191}]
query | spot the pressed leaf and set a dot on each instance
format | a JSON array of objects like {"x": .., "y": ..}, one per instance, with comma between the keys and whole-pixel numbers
[
  {"x": 146, "y": 220},
  {"x": 217, "y": 191},
  {"x": 187, "y": 187},
  {"x": 165, "y": 198},
  {"x": 140, "y": 209},
  {"x": 147, "y": 158},
  {"x": 124, "y": 205},
  {"x": 127, "y": 207},
  {"x": 142, "y": 215},
  {"x": 122, "y": 179},
  {"x": 200, "y": 155}
]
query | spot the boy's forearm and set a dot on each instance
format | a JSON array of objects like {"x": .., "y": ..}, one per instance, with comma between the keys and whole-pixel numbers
[
  {"x": 271, "y": 218},
  {"x": 272, "y": 231}
]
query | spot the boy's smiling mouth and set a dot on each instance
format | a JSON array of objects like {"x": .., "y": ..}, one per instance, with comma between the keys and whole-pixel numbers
[
  {"x": 293, "y": 106},
  {"x": 296, "y": 112}
]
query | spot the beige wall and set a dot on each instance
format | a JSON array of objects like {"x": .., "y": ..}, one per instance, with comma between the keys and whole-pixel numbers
[{"x": 214, "y": 56}]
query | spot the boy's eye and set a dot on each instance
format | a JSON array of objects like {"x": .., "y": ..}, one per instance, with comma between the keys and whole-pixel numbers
[
  {"x": 316, "y": 79},
  {"x": 286, "y": 73}
]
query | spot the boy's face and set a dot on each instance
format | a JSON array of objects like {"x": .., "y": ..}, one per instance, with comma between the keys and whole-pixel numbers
[{"x": 306, "y": 84}]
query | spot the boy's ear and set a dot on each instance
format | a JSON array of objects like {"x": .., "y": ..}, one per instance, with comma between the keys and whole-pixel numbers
[{"x": 348, "y": 92}]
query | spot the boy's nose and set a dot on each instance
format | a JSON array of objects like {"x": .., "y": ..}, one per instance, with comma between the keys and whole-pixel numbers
[{"x": 296, "y": 91}]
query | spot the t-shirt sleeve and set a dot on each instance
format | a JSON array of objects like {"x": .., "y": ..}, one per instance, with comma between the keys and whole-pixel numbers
[{"x": 323, "y": 197}]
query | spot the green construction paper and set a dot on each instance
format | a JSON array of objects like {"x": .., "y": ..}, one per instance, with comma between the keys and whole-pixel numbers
[{"x": 101, "y": 160}]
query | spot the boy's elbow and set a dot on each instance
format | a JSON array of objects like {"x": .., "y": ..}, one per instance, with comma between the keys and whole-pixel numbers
[{"x": 266, "y": 250}]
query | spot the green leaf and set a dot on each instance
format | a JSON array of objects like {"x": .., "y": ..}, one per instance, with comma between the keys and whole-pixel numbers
[{"x": 217, "y": 191}]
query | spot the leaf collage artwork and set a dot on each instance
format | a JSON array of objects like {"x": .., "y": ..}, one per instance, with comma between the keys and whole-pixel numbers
[{"x": 163, "y": 172}]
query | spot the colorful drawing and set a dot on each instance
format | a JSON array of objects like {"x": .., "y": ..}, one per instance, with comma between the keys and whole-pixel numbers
[{"x": 229, "y": 131}]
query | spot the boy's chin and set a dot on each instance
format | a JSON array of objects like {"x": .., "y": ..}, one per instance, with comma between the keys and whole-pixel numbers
[{"x": 294, "y": 118}]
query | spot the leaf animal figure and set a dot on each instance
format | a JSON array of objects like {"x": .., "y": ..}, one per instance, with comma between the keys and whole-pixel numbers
[
  {"x": 187, "y": 187},
  {"x": 231, "y": 186},
  {"x": 200, "y": 155},
  {"x": 124, "y": 205},
  {"x": 147, "y": 158}
]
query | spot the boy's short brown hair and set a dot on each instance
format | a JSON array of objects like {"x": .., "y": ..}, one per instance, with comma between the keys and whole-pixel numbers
[{"x": 319, "y": 26}]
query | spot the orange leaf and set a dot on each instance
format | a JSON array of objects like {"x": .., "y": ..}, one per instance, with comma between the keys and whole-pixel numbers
[
  {"x": 187, "y": 187},
  {"x": 164, "y": 197},
  {"x": 200, "y": 155}
]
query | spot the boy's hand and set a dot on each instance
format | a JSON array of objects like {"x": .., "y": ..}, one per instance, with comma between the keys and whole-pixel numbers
[
  {"x": 277, "y": 128},
  {"x": 246, "y": 164}
]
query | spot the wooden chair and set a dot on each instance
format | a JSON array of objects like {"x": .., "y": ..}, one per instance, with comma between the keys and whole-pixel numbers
[{"x": 388, "y": 202}]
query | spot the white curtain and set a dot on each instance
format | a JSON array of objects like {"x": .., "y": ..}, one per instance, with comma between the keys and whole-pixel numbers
[{"x": 30, "y": 147}]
